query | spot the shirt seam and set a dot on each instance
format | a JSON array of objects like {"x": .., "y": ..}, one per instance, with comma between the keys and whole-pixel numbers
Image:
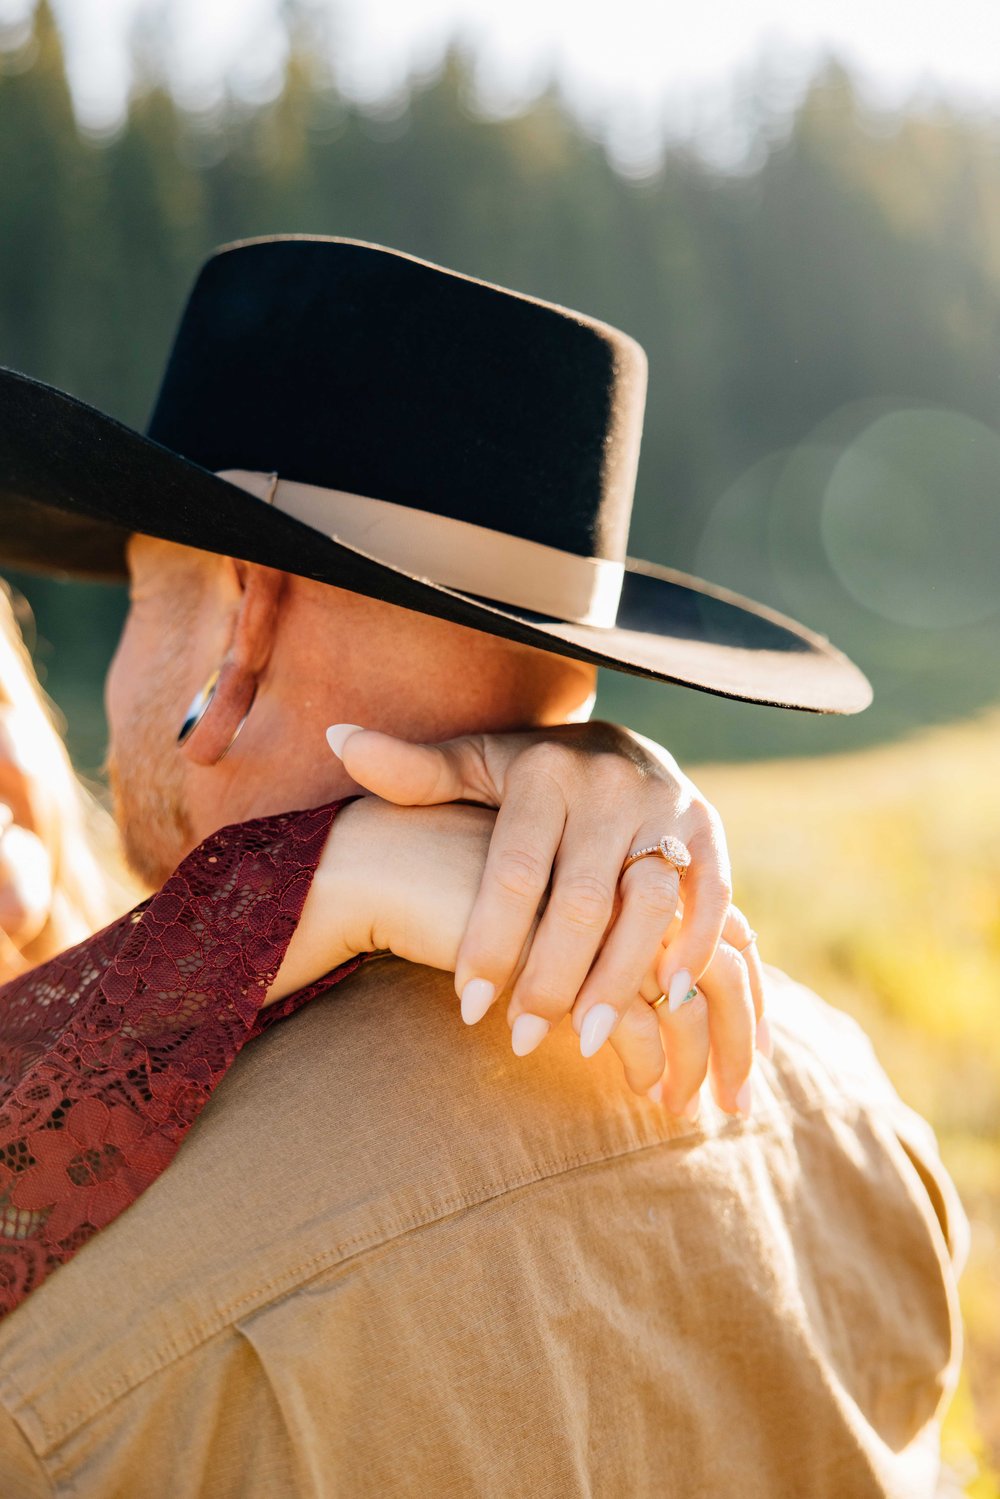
[
  {"x": 42, "y": 1471},
  {"x": 349, "y": 1249}
]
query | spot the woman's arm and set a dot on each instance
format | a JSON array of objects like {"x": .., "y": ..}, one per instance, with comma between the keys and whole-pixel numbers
[
  {"x": 546, "y": 917},
  {"x": 406, "y": 880},
  {"x": 573, "y": 802},
  {"x": 391, "y": 879},
  {"x": 110, "y": 1051}
]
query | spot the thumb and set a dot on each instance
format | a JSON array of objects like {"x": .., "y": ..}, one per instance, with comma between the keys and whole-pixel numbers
[{"x": 411, "y": 775}]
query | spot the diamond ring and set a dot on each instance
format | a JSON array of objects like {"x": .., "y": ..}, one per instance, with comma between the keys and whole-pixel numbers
[{"x": 676, "y": 853}]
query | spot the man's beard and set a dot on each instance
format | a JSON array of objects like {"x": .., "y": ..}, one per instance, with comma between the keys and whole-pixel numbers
[{"x": 146, "y": 775}]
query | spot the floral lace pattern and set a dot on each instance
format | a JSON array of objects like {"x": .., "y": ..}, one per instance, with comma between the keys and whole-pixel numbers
[{"x": 110, "y": 1051}]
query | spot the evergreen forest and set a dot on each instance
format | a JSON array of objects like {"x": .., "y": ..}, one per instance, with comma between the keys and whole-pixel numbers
[{"x": 821, "y": 316}]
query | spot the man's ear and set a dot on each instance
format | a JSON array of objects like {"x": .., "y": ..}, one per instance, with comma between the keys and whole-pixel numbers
[{"x": 254, "y": 623}]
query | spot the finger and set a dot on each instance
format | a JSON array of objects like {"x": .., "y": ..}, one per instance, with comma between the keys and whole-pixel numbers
[
  {"x": 707, "y": 894},
  {"x": 639, "y": 1046},
  {"x": 755, "y": 973},
  {"x": 573, "y": 926},
  {"x": 740, "y": 934},
  {"x": 726, "y": 986},
  {"x": 411, "y": 775},
  {"x": 526, "y": 835},
  {"x": 684, "y": 1034},
  {"x": 25, "y": 884},
  {"x": 649, "y": 896}
]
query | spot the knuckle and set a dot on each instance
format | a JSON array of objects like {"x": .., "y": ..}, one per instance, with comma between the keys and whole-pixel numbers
[
  {"x": 701, "y": 814},
  {"x": 656, "y": 897},
  {"x": 735, "y": 962},
  {"x": 706, "y": 813},
  {"x": 618, "y": 988},
  {"x": 521, "y": 873},
  {"x": 692, "y": 1017},
  {"x": 707, "y": 833},
  {"x": 617, "y": 771},
  {"x": 739, "y": 930},
  {"x": 640, "y": 1027},
  {"x": 583, "y": 900},
  {"x": 638, "y": 1043},
  {"x": 549, "y": 760}
]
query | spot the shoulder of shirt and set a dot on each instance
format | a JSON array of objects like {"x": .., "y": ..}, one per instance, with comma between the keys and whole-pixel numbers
[
  {"x": 832, "y": 1051},
  {"x": 361, "y": 1071}
]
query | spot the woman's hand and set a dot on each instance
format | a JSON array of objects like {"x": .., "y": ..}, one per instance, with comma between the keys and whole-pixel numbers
[
  {"x": 573, "y": 802},
  {"x": 709, "y": 1030}
]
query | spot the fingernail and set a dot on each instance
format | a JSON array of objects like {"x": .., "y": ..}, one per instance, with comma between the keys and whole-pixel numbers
[
  {"x": 477, "y": 996},
  {"x": 655, "y": 1093},
  {"x": 681, "y": 991},
  {"x": 528, "y": 1032},
  {"x": 338, "y": 734},
  {"x": 596, "y": 1028},
  {"x": 744, "y": 1101},
  {"x": 764, "y": 1043},
  {"x": 692, "y": 1108}
]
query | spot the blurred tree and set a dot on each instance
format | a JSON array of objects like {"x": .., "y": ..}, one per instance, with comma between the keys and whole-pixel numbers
[{"x": 39, "y": 160}]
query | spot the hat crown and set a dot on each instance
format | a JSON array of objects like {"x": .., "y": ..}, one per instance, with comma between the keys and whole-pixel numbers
[{"x": 351, "y": 367}]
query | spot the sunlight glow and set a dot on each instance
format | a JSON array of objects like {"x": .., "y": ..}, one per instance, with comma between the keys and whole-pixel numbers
[{"x": 647, "y": 63}]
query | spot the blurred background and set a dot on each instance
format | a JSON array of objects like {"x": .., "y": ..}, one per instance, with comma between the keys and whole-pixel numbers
[{"x": 796, "y": 210}]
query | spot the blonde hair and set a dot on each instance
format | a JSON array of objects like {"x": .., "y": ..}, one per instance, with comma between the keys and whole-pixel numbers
[{"x": 90, "y": 884}]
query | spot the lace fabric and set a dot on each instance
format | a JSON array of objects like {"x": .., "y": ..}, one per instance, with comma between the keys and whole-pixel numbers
[{"x": 110, "y": 1051}]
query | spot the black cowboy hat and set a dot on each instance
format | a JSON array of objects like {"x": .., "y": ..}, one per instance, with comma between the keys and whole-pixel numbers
[{"x": 412, "y": 434}]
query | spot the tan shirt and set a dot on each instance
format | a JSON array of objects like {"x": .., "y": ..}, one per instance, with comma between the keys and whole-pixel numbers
[{"x": 393, "y": 1259}]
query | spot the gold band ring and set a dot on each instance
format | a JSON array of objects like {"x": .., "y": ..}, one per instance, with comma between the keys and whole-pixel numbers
[
  {"x": 654, "y": 1004},
  {"x": 676, "y": 853}
]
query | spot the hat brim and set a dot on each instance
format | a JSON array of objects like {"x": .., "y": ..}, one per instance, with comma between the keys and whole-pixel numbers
[{"x": 75, "y": 483}]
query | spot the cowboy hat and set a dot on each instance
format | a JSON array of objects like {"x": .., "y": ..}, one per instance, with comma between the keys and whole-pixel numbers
[{"x": 358, "y": 416}]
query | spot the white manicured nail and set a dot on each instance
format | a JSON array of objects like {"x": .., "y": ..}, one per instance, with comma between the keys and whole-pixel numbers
[
  {"x": 477, "y": 996},
  {"x": 528, "y": 1032},
  {"x": 338, "y": 734},
  {"x": 655, "y": 1093},
  {"x": 681, "y": 991},
  {"x": 692, "y": 1108},
  {"x": 596, "y": 1029},
  {"x": 764, "y": 1043}
]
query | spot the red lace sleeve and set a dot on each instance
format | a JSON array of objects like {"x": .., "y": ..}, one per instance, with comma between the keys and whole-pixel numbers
[{"x": 109, "y": 1052}]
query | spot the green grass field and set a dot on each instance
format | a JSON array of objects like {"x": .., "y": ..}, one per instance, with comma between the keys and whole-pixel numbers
[{"x": 875, "y": 878}]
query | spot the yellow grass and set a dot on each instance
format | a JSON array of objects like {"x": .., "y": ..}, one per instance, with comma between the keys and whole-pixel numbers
[{"x": 875, "y": 878}]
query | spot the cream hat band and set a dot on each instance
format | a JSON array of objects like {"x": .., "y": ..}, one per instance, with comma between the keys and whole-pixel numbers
[{"x": 470, "y": 558}]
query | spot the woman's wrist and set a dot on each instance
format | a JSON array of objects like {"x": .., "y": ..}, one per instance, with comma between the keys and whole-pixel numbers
[
  {"x": 399, "y": 879},
  {"x": 335, "y": 924}
]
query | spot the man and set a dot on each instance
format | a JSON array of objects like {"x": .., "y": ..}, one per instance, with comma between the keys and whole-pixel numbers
[{"x": 390, "y": 1257}]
